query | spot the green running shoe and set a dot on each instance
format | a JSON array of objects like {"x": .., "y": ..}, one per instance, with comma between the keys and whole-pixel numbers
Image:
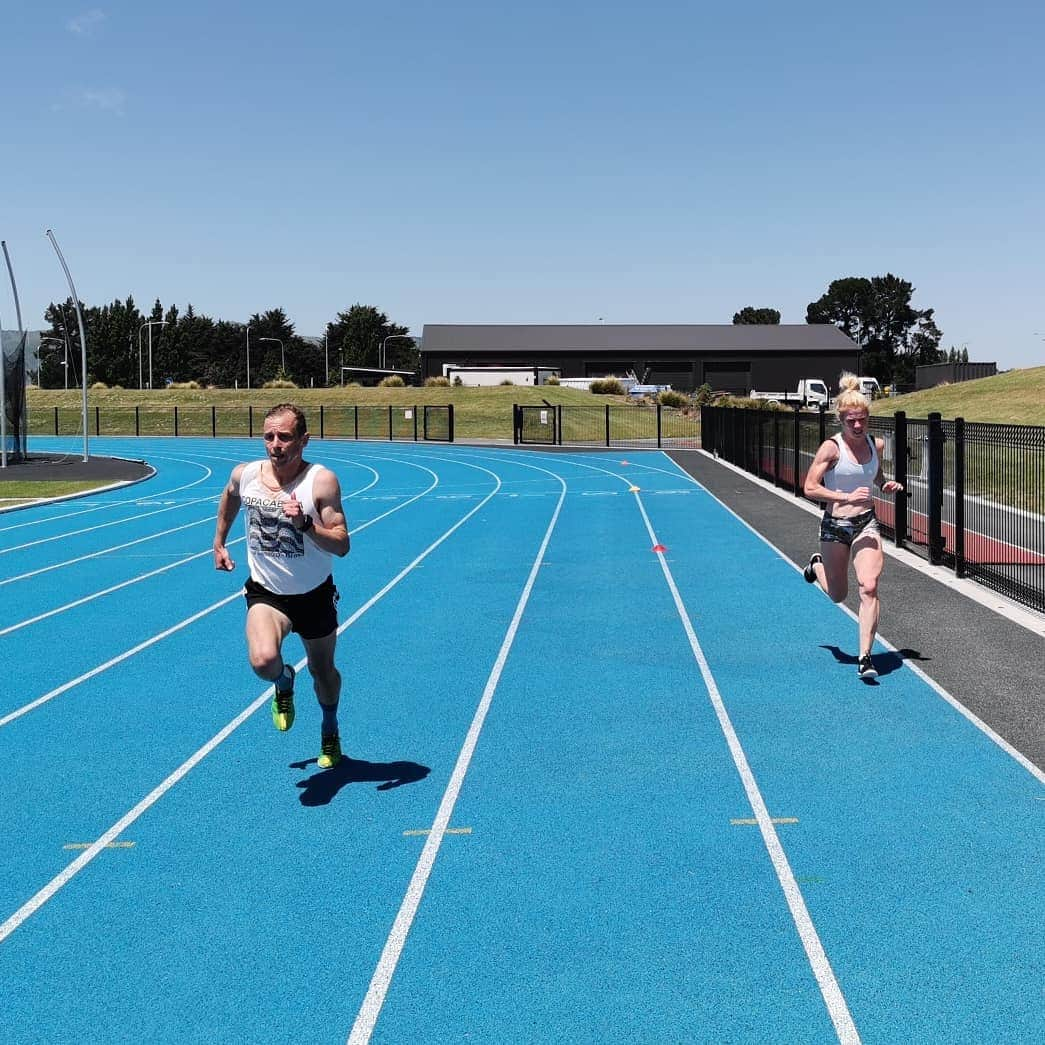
[
  {"x": 331, "y": 753},
  {"x": 283, "y": 706}
]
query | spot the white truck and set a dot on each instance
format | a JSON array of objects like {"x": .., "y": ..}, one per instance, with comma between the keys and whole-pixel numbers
[{"x": 811, "y": 391}]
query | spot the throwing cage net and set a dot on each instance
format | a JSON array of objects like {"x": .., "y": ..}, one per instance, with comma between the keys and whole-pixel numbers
[{"x": 16, "y": 418}]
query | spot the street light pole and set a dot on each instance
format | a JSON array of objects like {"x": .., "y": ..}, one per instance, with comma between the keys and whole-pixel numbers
[
  {"x": 83, "y": 342},
  {"x": 248, "y": 355},
  {"x": 58, "y": 341},
  {"x": 282, "y": 357},
  {"x": 384, "y": 352},
  {"x": 150, "y": 323}
]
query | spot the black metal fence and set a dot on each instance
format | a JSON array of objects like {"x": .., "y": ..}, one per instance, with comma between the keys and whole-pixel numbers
[
  {"x": 974, "y": 495},
  {"x": 609, "y": 425},
  {"x": 433, "y": 423}
]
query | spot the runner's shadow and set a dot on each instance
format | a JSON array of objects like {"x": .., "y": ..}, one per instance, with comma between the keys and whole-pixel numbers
[
  {"x": 886, "y": 663},
  {"x": 320, "y": 788}
]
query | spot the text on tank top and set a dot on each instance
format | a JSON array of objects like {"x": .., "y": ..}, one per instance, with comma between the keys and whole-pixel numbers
[{"x": 281, "y": 558}]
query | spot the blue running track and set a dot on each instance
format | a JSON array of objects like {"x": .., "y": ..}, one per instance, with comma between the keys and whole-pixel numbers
[{"x": 596, "y": 792}]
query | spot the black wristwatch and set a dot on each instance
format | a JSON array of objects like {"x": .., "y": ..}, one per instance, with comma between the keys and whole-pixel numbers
[{"x": 309, "y": 523}]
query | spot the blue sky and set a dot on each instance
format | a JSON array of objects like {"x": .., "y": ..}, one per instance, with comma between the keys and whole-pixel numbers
[{"x": 558, "y": 162}]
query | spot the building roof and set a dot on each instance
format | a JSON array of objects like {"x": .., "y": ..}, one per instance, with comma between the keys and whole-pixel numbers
[{"x": 632, "y": 337}]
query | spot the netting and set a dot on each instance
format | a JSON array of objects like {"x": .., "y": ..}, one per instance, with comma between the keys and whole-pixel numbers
[{"x": 12, "y": 351}]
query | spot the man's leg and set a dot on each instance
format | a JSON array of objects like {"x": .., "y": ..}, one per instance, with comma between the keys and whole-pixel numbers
[
  {"x": 267, "y": 627},
  {"x": 326, "y": 680}
]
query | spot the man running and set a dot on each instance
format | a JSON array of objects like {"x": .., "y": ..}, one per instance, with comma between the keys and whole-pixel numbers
[{"x": 295, "y": 522}]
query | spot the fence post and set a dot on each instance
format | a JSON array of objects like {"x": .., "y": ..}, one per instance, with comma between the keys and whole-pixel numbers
[
  {"x": 356, "y": 422},
  {"x": 935, "y": 535},
  {"x": 175, "y": 420},
  {"x": 250, "y": 421},
  {"x": 959, "y": 496},
  {"x": 451, "y": 422},
  {"x": 322, "y": 428},
  {"x": 415, "y": 422},
  {"x": 900, "y": 471},
  {"x": 390, "y": 436},
  {"x": 56, "y": 420},
  {"x": 659, "y": 426},
  {"x": 137, "y": 422},
  {"x": 761, "y": 444},
  {"x": 214, "y": 422},
  {"x": 776, "y": 447},
  {"x": 97, "y": 420},
  {"x": 798, "y": 441},
  {"x": 558, "y": 425},
  {"x": 607, "y": 424},
  {"x": 515, "y": 423},
  {"x": 823, "y": 422}
]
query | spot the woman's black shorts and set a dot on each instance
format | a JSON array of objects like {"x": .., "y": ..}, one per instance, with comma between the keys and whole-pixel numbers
[
  {"x": 313, "y": 615},
  {"x": 845, "y": 531}
]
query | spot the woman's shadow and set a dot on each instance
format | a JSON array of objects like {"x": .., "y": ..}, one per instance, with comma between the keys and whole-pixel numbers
[
  {"x": 320, "y": 788},
  {"x": 885, "y": 663}
]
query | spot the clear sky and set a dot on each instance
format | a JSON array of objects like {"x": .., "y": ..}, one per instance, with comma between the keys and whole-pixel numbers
[{"x": 546, "y": 162}]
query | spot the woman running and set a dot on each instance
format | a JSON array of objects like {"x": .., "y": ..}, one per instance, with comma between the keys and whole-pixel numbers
[{"x": 841, "y": 475}]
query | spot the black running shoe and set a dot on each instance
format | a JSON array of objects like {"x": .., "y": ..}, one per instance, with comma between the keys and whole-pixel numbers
[
  {"x": 809, "y": 573},
  {"x": 865, "y": 667}
]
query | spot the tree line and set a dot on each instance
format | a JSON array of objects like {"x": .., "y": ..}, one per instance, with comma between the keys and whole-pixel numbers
[
  {"x": 877, "y": 314},
  {"x": 186, "y": 346}
]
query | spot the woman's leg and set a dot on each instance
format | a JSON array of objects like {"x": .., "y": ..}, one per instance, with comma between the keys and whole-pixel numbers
[{"x": 868, "y": 561}]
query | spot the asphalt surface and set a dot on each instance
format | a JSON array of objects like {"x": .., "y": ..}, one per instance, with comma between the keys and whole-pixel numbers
[
  {"x": 990, "y": 664},
  {"x": 72, "y": 468}
]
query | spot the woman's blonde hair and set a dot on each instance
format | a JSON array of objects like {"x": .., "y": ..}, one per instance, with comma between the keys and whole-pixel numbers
[{"x": 849, "y": 395}]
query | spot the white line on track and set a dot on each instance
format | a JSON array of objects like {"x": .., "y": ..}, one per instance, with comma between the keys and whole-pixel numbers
[
  {"x": 1036, "y": 771},
  {"x": 393, "y": 949},
  {"x": 835, "y": 1001},
  {"x": 34, "y": 903}
]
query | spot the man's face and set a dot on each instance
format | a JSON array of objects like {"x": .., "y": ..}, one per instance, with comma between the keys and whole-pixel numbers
[{"x": 282, "y": 443}]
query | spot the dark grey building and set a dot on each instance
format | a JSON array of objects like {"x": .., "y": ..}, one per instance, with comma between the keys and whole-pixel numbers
[
  {"x": 730, "y": 358},
  {"x": 950, "y": 373}
]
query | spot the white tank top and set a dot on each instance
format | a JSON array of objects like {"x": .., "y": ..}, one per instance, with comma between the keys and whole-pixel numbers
[
  {"x": 281, "y": 558},
  {"x": 848, "y": 474}
]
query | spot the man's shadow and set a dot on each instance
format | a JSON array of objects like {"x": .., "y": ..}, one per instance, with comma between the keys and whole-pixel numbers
[
  {"x": 320, "y": 788},
  {"x": 885, "y": 663}
]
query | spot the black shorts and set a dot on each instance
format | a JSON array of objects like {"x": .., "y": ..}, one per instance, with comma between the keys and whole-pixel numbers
[
  {"x": 313, "y": 614},
  {"x": 845, "y": 531}
]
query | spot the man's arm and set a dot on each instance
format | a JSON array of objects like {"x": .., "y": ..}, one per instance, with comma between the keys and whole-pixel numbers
[
  {"x": 329, "y": 530},
  {"x": 228, "y": 509}
]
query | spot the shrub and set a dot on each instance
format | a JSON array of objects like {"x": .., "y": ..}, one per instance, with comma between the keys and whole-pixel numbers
[
  {"x": 392, "y": 381},
  {"x": 184, "y": 384},
  {"x": 354, "y": 384},
  {"x": 458, "y": 381},
  {"x": 278, "y": 382},
  {"x": 437, "y": 382},
  {"x": 553, "y": 380},
  {"x": 705, "y": 394},
  {"x": 99, "y": 386},
  {"x": 507, "y": 381},
  {"x": 607, "y": 386},
  {"x": 670, "y": 397}
]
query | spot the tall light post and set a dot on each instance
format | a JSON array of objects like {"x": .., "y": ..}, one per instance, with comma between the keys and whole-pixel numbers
[
  {"x": 282, "y": 358},
  {"x": 65, "y": 363},
  {"x": 248, "y": 355},
  {"x": 150, "y": 323},
  {"x": 83, "y": 343},
  {"x": 384, "y": 353}
]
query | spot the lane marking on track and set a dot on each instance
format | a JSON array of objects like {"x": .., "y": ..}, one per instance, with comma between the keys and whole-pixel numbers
[
  {"x": 837, "y": 1008},
  {"x": 745, "y": 822},
  {"x": 42, "y": 896},
  {"x": 87, "y": 845},
  {"x": 381, "y": 980},
  {"x": 428, "y": 831},
  {"x": 1036, "y": 771}
]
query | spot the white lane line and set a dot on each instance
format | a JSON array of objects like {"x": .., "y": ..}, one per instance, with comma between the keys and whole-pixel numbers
[
  {"x": 119, "y": 658},
  {"x": 104, "y": 551},
  {"x": 105, "y": 525},
  {"x": 393, "y": 949},
  {"x": 835, "y": 1001},
  {"x": 1036, "y": 771},
  {"x": 34, "y": 903}
]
